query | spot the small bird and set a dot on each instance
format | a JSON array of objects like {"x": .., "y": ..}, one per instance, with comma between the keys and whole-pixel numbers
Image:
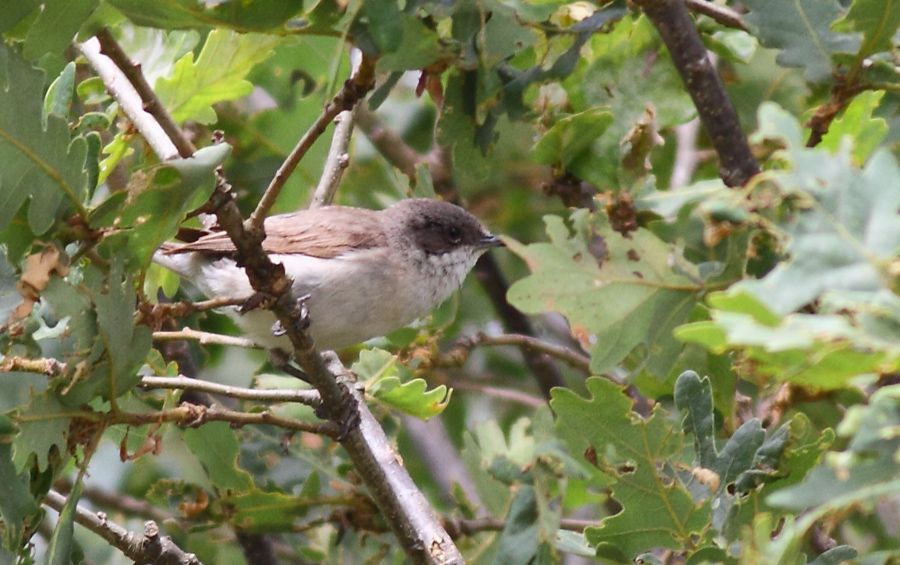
[{"x": 365, "y": 272}]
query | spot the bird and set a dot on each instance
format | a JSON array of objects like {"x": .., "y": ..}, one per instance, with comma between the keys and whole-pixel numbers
[{"x": 363, "y": 273}]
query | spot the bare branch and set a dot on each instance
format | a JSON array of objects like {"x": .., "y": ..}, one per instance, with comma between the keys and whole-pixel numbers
[
  {"x": 352, "y": 92},
  {"x": 152, "y": 104},
  {"x": 150, "y": 547},
  {"x": 459, "y": 527},
  {"x": 46, "y": 365},
  {"x": 573, "y": 358},
  {"x": 719, "y": 118},
  {"x": 193, "y": 415},
  {"x": 186, "y": 308},
  {"x": 336, "y": 162},
  {"x": 722, "y": 14},
  {"x": 508, "y": 394},
  {"x": 129, "y": 100},
  {"x": 206, "y": 338},
  {"x": 303, "y": 396}
]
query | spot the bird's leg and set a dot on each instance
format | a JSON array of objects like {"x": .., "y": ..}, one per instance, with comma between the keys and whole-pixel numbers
[
  {"x": 302, "y": 322},
  {"x": 257, "y": 301}
]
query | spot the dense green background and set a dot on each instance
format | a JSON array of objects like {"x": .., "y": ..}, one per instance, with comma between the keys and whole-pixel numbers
[{"x": 758, "y": 327}]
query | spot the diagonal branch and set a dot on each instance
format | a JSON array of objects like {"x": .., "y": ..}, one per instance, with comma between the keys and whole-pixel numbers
[
  {"x": 402, "y": 504},
  {"x": 717, "y": 114},
  {"x": 354, "y": 89},
  {"x": 151, "y": 547}
]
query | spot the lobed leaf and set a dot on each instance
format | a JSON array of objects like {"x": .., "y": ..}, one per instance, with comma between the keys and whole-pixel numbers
[
  {"x": 43, "y": 166},
  {"x": 801, "y": 29}
]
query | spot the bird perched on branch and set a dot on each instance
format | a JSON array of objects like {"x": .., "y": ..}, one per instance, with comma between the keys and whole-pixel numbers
[{"x": 365, "y": 272}]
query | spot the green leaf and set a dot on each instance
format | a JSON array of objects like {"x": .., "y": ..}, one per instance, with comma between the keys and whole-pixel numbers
[
  {"x": 404, "y": 41},
  {"x": 126, "y": 344},
  {"x": 865, "y": 473},
  {"x": 571, "y": 136},
  {"x": 216, "y": 446},
  {"x": 657, "y": 511},
  {"x": 618, "y": 293},
  {"x": 59, "y": 95},
  {"x": 259, "y": 15},
  {"x": 391, "y": 383},
  {"x": 153, "y": 213},
  {"x": 59, "y": 551},
  {"x": 877, "y": 20},
  {"x": 857, "y": 122},
  {"x": 845, "y": 235},
  {"x": 217, "y": 76},
  {"x": 816, "y": 351},
  {"x": 519, "y": 539},
  {"x": 43, "y": 426},
  {"x": 56, "y": 25},
  {"x": 412, "y": 397},
  {"x": 801, "y": 30},
  {"x": 40, "y": 165},
  {"x": 16, "y": 502}
]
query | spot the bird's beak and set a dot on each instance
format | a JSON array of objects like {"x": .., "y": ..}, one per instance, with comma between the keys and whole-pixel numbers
[{"x": 490, "y": 240}]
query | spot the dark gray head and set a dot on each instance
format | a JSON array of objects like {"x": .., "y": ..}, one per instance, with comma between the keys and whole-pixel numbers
[{"x": 438, "y": 227}]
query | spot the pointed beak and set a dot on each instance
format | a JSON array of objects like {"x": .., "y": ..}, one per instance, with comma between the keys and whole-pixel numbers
[{"x": 490, "y": 240}]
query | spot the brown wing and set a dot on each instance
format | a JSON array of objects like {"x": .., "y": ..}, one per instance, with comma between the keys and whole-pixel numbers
[{"x": 324, "y": 232}]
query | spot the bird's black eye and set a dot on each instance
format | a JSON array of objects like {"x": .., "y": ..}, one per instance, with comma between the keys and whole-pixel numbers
[{"x": 455, "y": 234}]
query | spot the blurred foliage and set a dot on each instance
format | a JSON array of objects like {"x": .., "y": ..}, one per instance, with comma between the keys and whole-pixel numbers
[{"x": 743, "y": 342}]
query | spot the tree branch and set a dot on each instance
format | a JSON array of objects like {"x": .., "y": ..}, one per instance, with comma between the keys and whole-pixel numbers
[
  {"x": 336, "y": 162},
  {"x": 205, "y": 338},
  {"x": 303, "y": 396},
  {"x": 352, "y": 92},
  {"x": 151, "y": 102},
  {"x": 573, "y": 358},
  {"x": 150, "y": 547},
  {"x": 719, "y": 118},
  {"x": 402, "y": 504},
  {"x": 459, "y": 527},
  {"x": 129, "y": 100},
  {"x": 507, "y": 394},
  {"x": 722, "y": 14}
]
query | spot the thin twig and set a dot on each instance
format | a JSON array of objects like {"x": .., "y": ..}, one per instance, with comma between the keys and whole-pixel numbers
[
  {"x": 129, "y": 100},
  {"x": 303, "y": 396},
  {"x": 336, "y": 162},
  {"x": 186, "y": 307},
  {"x": 121, "y": 503},
  {"x": 352, "y": 92},
  {"x": 151, "y": 103},
  {"x": 206, "y": 338},
  {"x": 150, "y": 547},
  {"x": 573, "y": 358},
  {"x": 193, "y": 415},
  {"x": 44, "y": 365},
  {"x": 722, "y": 14},
  {"x": 459, "y": 527},
  {"x": 508, "y": 394},
  {"x": 717, "y": 113}
]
